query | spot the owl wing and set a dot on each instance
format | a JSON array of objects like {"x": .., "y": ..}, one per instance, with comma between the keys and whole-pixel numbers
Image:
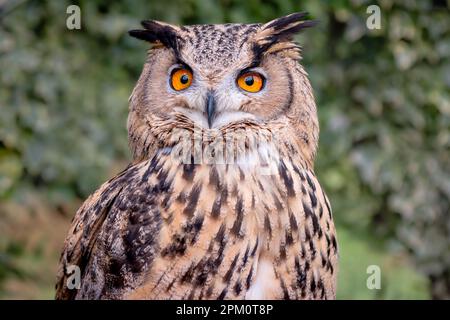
[{"x": 103, "y": 247}]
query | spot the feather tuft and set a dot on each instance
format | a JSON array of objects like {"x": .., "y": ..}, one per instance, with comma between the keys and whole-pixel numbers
[{"x": 278, "y": 34}]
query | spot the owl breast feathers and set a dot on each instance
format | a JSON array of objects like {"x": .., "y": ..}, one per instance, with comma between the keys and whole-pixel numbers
[{"x": 220, "y": 200}]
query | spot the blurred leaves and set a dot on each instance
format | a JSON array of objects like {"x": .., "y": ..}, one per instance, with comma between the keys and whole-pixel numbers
[
  {"x": 383, "y": 98},
  {"x": 384, "y": 116},
  {"x": 397, "y": 281}
]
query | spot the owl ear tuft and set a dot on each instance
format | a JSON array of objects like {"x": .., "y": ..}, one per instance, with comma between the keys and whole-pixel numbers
[
  {"x": 157, "y": 32},
  {"x": 280, "y": 30}
]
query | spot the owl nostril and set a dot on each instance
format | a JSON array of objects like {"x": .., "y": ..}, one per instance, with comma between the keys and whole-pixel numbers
[{"x": 210, "y": 107}]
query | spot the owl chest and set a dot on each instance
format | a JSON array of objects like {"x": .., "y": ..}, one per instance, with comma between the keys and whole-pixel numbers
[{"x": 232, "y": 234}]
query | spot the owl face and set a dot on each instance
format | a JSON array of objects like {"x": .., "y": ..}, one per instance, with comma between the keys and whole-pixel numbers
[{"x": 216, "y": 75}]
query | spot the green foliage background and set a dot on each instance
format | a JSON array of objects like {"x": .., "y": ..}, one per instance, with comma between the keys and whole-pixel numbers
[{"x": 384, "y": 106}]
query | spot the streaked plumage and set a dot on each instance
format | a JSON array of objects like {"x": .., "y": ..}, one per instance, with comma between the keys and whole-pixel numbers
[{"x": 259, "y": 226}]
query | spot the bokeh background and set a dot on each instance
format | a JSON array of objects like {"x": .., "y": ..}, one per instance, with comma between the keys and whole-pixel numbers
[{"x": 384, "y": 104}]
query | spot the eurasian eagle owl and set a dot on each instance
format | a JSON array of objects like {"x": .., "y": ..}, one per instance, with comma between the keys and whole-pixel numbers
[{"x": 220, "y": 200}]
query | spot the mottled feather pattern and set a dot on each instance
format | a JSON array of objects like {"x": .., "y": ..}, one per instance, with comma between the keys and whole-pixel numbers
[
  {"x": 178, "y": 231},
  {"x": 223, "y": 209}
]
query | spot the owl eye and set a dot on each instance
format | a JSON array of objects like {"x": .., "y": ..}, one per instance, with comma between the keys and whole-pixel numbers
[
  {"x": 251, "y": 82},
  {"x": 181, "y": 79}
]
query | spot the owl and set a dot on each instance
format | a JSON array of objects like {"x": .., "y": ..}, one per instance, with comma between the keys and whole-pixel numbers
[{"x": 220, "y": 200}]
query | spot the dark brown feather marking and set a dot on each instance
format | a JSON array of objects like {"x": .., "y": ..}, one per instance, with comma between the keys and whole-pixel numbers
[
  {"x": 285, "y": 290},
  {"x": 188, "y": 171},
  {"x": 214, "y": 178},
  {"x": 237, "y": 287},
  {"x": 217, "y": 205},
  {"x": 288, "y": 182},
  {"x": 193, "y": 200},
  {"x": 292, "y": 221},
  {"x": 223, "y": 294},
  {"x": 236, "y": 229},
  {"x": 248, "y": 282},
  {"x": 311, "y": 184},
  {"x": 229, "y": 273}
]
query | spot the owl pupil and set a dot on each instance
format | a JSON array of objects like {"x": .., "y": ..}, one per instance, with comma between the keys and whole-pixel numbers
[
  {"x": 249, "y": 81},
  {"x": 184, "y": 79}
]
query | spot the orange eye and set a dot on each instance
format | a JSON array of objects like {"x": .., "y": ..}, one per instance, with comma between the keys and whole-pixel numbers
[
  {"x": 251, "y": 82},
  {"x": 181, "y": 79}
]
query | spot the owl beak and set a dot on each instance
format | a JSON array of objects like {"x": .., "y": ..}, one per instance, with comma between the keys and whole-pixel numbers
[{"x": 210, "y": 107}]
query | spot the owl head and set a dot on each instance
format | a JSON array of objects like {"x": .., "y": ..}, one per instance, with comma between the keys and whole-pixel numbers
[{"x": 215, "y": 76}]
